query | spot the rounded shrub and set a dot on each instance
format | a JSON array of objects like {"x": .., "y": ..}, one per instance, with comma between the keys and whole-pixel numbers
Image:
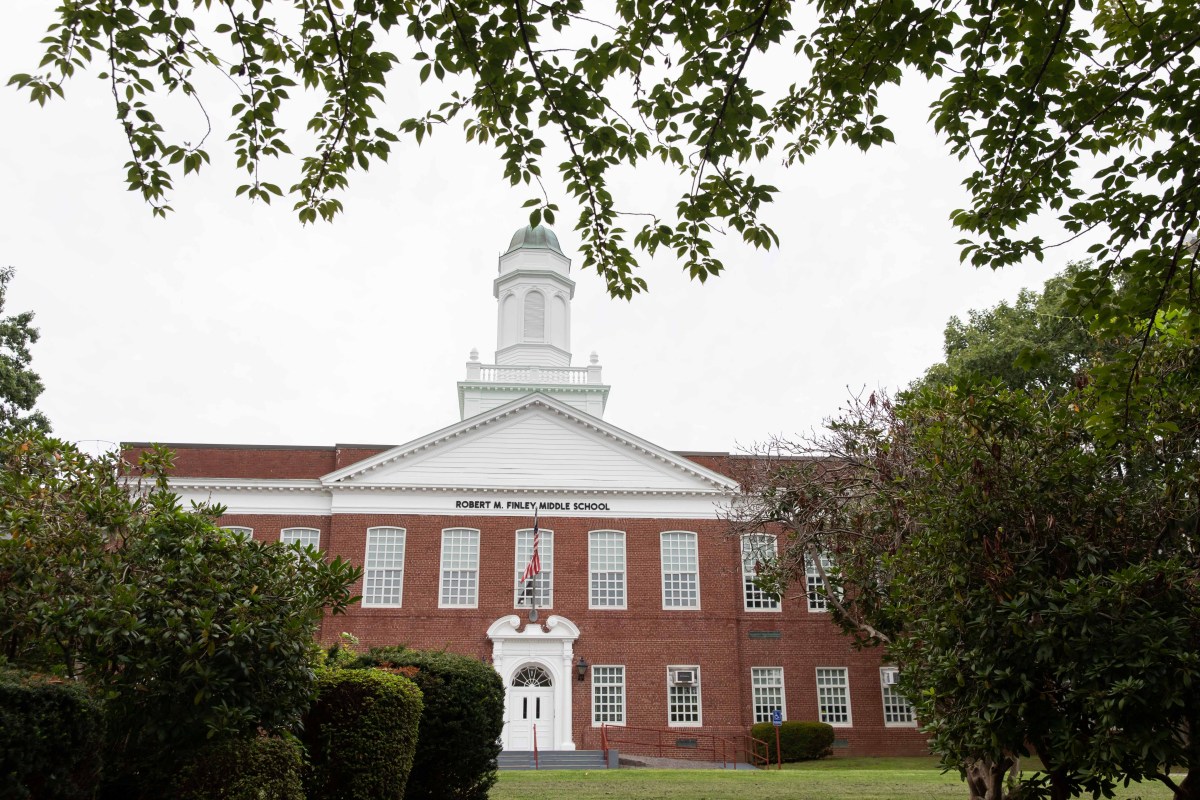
[
  {"x": 361, "y": 734},
  {"x": 259, "y": 768},
  {"x": 461, "y": 724},
  {"x": 51, "y": 734},
  {"x": 798, "y": 741}
]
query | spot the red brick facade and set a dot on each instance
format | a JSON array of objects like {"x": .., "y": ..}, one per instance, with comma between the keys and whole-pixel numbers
[{"x": 643, "y": 637}]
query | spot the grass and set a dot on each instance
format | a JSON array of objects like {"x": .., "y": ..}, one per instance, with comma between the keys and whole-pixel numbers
[{"x": 831, "y": 779}]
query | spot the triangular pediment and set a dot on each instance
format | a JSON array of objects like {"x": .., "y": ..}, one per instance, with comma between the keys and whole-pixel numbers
[{"x": 536, "y": 442}]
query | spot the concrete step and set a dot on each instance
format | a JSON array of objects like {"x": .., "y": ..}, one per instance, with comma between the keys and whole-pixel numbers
[{"x": 552, "y": 759}]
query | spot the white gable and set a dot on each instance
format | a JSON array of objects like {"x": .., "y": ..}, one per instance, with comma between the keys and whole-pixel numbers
[{"x": 536, "y": 442}]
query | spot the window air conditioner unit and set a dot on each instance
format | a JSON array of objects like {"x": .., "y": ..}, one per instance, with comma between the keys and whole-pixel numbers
[
  {"x": 891, "y": 677},
  {"x": 683, "y": 677}
]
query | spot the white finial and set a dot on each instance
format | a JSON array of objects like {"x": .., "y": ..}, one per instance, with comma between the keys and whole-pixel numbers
[
  {"x": 474, "y": 353},
  {"x": 594, "y": 359}
]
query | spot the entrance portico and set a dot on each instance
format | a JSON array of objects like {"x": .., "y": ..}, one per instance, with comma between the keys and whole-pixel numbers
[{"x": 536, "y": 665}]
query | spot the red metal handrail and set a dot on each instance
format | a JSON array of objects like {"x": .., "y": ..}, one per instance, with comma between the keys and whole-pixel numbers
[
  {"x": 535, "y": 750},
  {"x": 708, "y": 746}
]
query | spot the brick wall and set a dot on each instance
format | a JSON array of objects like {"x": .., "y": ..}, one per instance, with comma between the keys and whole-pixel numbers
[{"x": 644, "y": 637}]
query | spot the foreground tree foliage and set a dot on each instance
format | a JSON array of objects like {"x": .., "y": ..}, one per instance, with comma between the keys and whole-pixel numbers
[
  {"x": 190, "y": 633},
  {"x": 1035, "y": 575},
  {"x": 1039, "y": 96},
  {"x": 19, "y": 384}
]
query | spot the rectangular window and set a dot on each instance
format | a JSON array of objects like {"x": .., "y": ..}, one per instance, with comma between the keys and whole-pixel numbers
[
  {"x": 683, "y": 696},
  {"x": 757, "y": 549},
  {"x": 543, "y": 582},
  {"x": 766, "y": 686},
  {"x": 242, "y": 529},
  {"x": 460, "y": 568},
  {"x": 608, "y": 695},
  {"x": 897, "y": 710},
  {"x": 681, "y": 580},
  {"x": 816, "y": 587},
  {"x": 305, "y": 537},
  {"x": 383, "y": 568},
  {"x": 833, "y": 695},
  {"x": 606, "y": 565}
]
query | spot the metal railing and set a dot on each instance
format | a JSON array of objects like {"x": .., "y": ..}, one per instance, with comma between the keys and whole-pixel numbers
[
  {"x": 687, "y": 744},
  {"x": 535, "y": 748}
]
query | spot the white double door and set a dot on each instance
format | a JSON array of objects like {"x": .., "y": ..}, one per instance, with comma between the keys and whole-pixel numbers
[{"x": 530, "y": 712}]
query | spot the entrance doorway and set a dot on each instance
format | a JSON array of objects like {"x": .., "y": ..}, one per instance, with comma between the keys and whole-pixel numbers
[{"x": 530, "y": 710}]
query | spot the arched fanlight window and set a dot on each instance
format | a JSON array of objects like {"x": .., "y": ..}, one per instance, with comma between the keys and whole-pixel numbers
[
  {"x": 535, "y": 317},
  {"x": 531, "y": 676}
]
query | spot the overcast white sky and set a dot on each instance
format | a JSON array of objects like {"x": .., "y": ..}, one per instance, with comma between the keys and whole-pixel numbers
[{"x": 229, "y": 322}]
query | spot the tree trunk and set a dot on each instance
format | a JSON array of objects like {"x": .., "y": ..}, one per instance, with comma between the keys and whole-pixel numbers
[
  {"x": 985, "y": 779},
  {"x": 1189, "y": 788}
]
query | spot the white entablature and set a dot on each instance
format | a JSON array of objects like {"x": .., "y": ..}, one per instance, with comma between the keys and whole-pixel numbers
[
  {"x": 533, "y": 333},
  {"x": 536, "y": 449}
]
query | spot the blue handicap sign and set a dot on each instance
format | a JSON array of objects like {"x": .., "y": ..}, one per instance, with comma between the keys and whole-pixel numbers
[{"x": 777, "y": 717}]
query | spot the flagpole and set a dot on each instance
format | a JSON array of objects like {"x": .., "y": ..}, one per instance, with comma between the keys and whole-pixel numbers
[{"x": 533, "y": 615}]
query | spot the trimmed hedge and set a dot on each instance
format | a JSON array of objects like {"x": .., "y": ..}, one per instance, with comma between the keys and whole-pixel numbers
[
  {"x": 461, "y": 726},
  {"x": 261, "y": 768},
  {"x": 361, "y": 734},
  {"x": 798, "y": 741},
  {"x": 51, "y": 734}
]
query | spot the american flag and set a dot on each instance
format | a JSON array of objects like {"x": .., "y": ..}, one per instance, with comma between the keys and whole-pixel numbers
[{"x": 535, "y": 561}]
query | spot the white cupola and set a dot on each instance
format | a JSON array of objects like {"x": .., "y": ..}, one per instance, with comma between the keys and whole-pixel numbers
[
  {"x": 533, "y": 293},
  {"x": 534, "y": 296}
]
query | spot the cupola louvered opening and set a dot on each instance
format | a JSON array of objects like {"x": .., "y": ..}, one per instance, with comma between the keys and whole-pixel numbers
[{"x": 535, "y": 317}]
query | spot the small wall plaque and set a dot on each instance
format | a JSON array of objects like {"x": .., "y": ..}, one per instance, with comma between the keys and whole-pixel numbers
[{"x": 765, "y": 634}]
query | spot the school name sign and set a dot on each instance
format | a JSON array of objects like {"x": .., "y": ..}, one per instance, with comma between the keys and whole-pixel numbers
[{"x": 494, "y": 504}]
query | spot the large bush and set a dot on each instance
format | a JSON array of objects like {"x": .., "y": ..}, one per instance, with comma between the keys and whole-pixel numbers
[
  {"x": 50, "y": 736},
  {"x": 461, "y": 725},
  {"x": 361, "y": 735},
  {"x": 190, "y": 633},
  {"x": 259, "y": 768},
  {"x": 798, "y": 741}
]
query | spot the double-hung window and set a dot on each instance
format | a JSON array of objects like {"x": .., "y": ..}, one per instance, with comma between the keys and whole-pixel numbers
[
  {"x": 683, "y": 696},
  {"x": 897, "y": 711},
  {"x": 239, "y": 529},
  {"x": 383, "y": 568},
  {"x": 538, "y": 590},
  {"x": 680, "y": 570},
  {"x": 817, "y": 600},
  {"x": 460, "y": 568},
  {"x": 606, "y": 568},
  {"x": 757, "y": 549},
  {"x": 833, "y": 695},
  {"x": 608, "y": 695},
  {"x": 305, "y": 537},
  {"x": 766, "y": 687}
]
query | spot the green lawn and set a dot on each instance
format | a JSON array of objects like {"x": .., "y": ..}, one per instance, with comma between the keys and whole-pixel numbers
[{"x": 832, "y": 779}]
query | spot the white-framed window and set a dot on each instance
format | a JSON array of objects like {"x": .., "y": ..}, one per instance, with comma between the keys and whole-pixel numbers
[
  {"x": 897, "y": 711},
  {"x": 242, "y": 529},
  {"x": 833, "y": 696},
  {"x": 766, "y": 690},
  {"x": 543, "y": 582},
  {"x": 816, "y": 587},
  {"x": 757, "y": 549},
  {"x": 383, "y": 568},
  {"x": 460, "y": 568},
  {"x": 683, "y": 697},
  {"x": 680, "y": 570},
  {"x": 305, "y": 537},
  {"x": 606, "y": 569},
  {"x": 608, "y": 695}
]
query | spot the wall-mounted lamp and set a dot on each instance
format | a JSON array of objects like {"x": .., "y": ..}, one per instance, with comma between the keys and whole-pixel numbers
[{"x": 581, "y": 668}]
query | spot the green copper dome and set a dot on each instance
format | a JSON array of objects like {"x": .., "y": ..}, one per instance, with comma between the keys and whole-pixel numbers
[{"x": 530, "y": 238}]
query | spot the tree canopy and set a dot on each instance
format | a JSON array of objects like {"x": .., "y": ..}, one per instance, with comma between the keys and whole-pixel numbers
[
  {"x": 1086, "y": 110},
  {"x": 19, "y": 384},
  {"x": 1033, "y": 576}
]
